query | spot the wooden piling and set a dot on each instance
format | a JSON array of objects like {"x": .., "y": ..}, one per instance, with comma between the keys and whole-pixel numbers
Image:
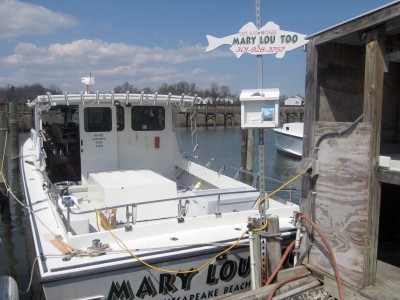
[
  {"x": 3, "y": 164},
  {"x": 243, "y": 154},
  {"x": 272, "y": 244},
  {"x": 249, "y": 156},
  {"x": 13, "y": 139}
]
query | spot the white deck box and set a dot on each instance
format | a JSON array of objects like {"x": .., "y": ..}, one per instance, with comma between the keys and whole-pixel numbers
[
  {"x": 259, "y": 108},
  {"x": 132, "y": 187}
]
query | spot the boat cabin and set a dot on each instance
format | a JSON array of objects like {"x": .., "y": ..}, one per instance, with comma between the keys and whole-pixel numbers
[
  {"x": 352, "y": 144},
  {"x": 98, "y": 136}
]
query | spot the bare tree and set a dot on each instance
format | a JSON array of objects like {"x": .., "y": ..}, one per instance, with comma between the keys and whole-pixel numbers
[
  {"x": 126, "y": 87},
  {"x": 214, "y": 91}
]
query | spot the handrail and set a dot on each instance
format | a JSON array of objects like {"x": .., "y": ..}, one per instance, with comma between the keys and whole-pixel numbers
[
  {"x": 167, "y": 200},
  {"x": 174, "y": 199},
  {"x": 180, "y": 216},
  {"x": 97, "y": 98}
]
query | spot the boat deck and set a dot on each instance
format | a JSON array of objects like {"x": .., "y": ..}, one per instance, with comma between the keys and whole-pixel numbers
[{"x": 73, "y": 253}]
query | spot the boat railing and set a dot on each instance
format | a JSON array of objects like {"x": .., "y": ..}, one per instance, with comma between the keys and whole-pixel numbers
[
  {"x": 131, "y": 209},
  {"x": 253, "y": 179}
]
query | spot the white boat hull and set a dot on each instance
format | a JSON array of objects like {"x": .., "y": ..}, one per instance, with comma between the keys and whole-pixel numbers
[
  {"x": 227, "y": 275},
  {"x": 289, "y": 139},
  {"x": 138, "y": 228}
]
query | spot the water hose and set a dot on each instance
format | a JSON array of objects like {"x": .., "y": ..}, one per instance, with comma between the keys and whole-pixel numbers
[{"x": 328, "y": 247}]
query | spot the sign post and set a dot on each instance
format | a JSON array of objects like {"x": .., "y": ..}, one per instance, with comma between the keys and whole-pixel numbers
[{"x": 259, "y": 108}]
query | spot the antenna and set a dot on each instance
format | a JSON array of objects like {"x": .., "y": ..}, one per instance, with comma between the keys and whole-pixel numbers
[{"x": 89, "y": 81}]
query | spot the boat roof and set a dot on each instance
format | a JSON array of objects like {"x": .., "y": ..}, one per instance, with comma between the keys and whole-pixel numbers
[{"x": 113, "y": 98}]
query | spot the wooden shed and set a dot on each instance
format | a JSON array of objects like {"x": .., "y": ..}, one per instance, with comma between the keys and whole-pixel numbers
[{"x": 352, "y": 144}]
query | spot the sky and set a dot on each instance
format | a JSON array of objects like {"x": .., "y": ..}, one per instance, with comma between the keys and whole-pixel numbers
[{"x": 151, "y": 42}]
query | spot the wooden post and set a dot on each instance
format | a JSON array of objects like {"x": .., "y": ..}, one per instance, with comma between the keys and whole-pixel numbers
[
  {"x": 224, "y": 113},
  {"x": 13, "y": 140},
  {"x": 257, "y": 255},
  {"x": 373, "y": 91},
  {"x": 250, "y": 155},
  {"x": 215, "y": 114},
  {"x": 273, "y": 245},
  {"x": 4, "y": 170},
  {"x": 310, "y": 112},
  {"x": 243, "y": 154}
]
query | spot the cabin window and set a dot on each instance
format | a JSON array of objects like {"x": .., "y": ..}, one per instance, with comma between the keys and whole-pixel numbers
[
  {"x": 148, "y": 118},
  {"x": 120, "y": 118},
  {"x": 97, "y": 119}
]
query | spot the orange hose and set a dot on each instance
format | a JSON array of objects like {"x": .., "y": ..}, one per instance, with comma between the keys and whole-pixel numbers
[
  {"x": 278, "y": 267},
  {"x": 328, "y": 247}
]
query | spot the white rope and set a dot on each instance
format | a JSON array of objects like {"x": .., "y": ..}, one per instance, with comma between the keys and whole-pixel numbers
[
  {"x": 9, "y": 191},
  {"x": 31, "y": 278}
]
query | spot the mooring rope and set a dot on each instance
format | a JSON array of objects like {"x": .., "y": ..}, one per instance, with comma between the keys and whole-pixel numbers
[{"x": 9, "y": 191}]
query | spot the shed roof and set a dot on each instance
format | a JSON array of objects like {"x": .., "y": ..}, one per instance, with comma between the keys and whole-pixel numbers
[{"x": 351, "y": 31}]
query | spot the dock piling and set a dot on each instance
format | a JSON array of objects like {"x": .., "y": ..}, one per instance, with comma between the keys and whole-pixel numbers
[{"x": 3, "y": 164}]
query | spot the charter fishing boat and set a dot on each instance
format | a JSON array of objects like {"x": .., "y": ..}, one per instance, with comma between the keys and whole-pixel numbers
[
  {"x": 118, "y": 211},
  {"x": 289, "y": 138}
]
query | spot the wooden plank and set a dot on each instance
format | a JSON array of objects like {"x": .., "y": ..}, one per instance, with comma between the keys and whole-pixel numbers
[
  {"x": 358, "y": 24},
  {"x": 273, "y": 245},
  {"x": 373, "y": 91},
  {"x": 287, "y": 273},
  {"x": 341, "y": 202},
  {"x": 263, "y": 292},
  {"x": 389, "y": 176},
  {"x": 312, "y": 290},
  {"x": 330, "y": 286},
  {"x": 4, "y": 164},
  {"x": 387, "y": 283},
  {"x": 308, "y": 140}
]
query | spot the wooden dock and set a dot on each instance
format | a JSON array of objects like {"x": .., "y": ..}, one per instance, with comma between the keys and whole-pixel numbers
[{"x": 230, "y": 115}]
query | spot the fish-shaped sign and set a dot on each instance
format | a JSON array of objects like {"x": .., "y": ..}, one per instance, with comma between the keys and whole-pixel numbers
[{"x": 269, "y": 39}]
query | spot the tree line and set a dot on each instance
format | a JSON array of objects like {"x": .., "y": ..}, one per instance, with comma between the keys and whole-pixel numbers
[
  {"x": 218, "y": 93},
  {"x": 20, "y": 94}
]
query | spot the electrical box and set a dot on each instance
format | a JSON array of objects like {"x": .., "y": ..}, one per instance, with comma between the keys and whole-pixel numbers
[{"x": 259, "y": 108}]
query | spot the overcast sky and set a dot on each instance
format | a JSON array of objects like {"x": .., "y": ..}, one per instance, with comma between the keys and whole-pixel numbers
[{"x": 151, "y": 42}]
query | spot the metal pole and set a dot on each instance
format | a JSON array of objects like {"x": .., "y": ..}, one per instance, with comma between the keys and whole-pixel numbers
[
  {"x": 259, "y": 57},
  {"x": 264, "y": 205}
]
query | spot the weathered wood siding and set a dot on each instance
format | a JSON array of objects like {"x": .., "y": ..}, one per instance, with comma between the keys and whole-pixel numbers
[{"x": 342, "y": 200}]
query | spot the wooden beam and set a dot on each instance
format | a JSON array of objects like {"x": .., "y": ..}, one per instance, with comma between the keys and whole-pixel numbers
[
  {"x": 388, "y": 176},
  {"x": 358, "y": 24},
  {"x": 373, "y": 91},
  {"x": 308, "y": 140}
]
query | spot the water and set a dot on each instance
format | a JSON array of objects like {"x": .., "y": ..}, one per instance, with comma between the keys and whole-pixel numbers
[{"x": 222, "y": 144}]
